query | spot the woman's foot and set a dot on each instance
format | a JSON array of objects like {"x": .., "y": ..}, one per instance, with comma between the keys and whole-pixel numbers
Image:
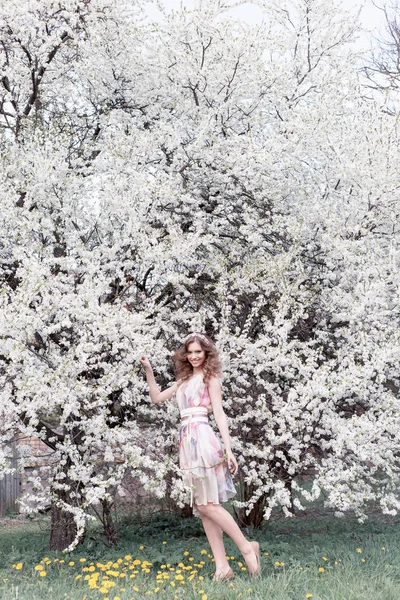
[
  {"x": 256, "y": 549},
  {"x": 224, "y": 576},
  {"x": 250, "y": 555}
]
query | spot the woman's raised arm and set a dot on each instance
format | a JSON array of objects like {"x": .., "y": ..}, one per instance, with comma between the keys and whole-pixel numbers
[{"x": 156, "y": 394}]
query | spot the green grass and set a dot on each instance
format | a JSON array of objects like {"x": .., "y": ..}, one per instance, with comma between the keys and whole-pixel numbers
[{"x": 301, "y": 544}]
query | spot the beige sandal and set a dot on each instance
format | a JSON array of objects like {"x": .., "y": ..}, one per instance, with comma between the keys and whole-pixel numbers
[
  {"x": 224, "y": 576},
  {"x": 256, "y": 549}
]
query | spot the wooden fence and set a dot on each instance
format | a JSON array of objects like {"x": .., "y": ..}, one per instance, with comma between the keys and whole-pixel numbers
[{"x": 10, "y": 487}]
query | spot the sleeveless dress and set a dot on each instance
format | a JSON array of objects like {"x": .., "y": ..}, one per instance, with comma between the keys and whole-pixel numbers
[{"x": 201, "y": 457}]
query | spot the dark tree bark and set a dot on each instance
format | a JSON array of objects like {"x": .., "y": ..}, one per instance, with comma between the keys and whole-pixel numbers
[
  {"x": 109, "y": 528},
  {"x": 63, "y": 527},
  {"x": 256, "y": 515}
]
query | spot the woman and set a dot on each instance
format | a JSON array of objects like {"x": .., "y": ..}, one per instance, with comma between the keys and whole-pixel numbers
[{"x": 205, "y": 468}]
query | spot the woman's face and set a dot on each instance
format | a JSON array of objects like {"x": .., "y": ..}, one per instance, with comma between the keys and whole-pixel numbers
[{"x": 195, "y": 354}]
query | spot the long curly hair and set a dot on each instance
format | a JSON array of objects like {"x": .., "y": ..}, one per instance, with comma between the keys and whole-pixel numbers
[{"x": 211, "y": 365}]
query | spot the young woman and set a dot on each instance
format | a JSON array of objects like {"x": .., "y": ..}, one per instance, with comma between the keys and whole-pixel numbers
[{"x": 206, "y": 470}]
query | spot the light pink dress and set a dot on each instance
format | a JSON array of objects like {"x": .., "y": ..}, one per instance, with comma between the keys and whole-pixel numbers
[{"x": 201, "y": 456}]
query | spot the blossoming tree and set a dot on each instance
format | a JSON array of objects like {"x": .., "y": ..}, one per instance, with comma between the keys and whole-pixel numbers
[{"x": 197, "y": 173}]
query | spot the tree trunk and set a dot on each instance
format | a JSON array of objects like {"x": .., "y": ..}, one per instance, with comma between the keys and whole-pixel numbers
[
  {"x": 186, "y": 512},
  {"x": 255, "y": 516},
  {"x": 63, "y": 527},
  {"x": 109, "y": 528}
]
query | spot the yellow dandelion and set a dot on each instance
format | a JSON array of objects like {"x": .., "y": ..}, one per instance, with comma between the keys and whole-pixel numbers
[
  {"x": 363, "y": 560},
  {"x": 157, "y": 589},
  {"x": 204, "y": 597},
  {"x": 78, "y": 576},
  {"x": 321, "y": 570},
  {"x": 164, "y": 543},
  {"x": 71, "y": 563},
  {"x": 203, "y": 551},
  {"x": 42, "y": 573},
  {"x": 383, "y": 548},
  {"x": 39, "y": 568},
  {"x": 19, "y": 566},
  {"x": 359, "y": 550},
  {"x": 172, "y": 583},
  {"x": 186, "y": 553},
  {"x": 82, "y": 560},
  {"x": 128, "y": 557},
  {"x": 266, "y": 553},
  {"x": 308, "y": 595},
  {"x": 141, "y": 547},
  {"x": 135, "y": 589},
  {"x": 324, "y": 558}
]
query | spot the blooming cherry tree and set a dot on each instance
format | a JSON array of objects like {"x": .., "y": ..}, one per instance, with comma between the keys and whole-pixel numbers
[{"x": 198, "y": 173}]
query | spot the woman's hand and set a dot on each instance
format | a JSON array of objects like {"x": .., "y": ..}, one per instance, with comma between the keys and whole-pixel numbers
[
  {"x": 144, "y": 361},
  {"x": 232, "y": 463}
]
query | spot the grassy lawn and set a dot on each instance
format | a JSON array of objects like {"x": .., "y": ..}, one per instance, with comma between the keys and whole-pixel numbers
[{"x": 318, "y": 557}]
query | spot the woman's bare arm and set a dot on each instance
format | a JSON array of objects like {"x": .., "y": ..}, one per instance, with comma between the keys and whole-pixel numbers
[
  {"x": 214, "y": 390},
  {"x": 157, "y": 396}
]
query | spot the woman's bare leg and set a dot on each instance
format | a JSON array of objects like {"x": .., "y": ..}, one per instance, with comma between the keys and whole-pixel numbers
[
  {"x": 220, "y": 517},
  {"x": 214, "y": 535}
]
